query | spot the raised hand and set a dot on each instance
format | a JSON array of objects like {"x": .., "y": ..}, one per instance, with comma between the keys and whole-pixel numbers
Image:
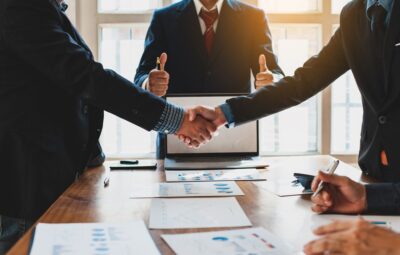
[
  {"x": 264, "y": 77},
  {"x": 159, "y": 79},
  {"x": 198, "y": 130},
  {"x": 340, "y": 195},
  {"x": 357, "y": 237}
]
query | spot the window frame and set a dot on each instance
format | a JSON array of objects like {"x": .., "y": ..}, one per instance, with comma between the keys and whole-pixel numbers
[{"x": 89, "y": 22}]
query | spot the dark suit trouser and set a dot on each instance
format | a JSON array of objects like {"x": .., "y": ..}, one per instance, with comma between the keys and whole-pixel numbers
[{"x": 11, "y": 230}]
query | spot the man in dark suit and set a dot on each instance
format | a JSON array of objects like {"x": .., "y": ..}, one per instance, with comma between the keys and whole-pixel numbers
[
  {"x": 212, "y": 47},
  {"x": 368, "y": 44},
  {"x": 52, "y": 97}
]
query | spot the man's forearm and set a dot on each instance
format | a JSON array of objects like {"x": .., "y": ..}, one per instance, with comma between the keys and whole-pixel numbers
[{"x": 171, "y": 119}]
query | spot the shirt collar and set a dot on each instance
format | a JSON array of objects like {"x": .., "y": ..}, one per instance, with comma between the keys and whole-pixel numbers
[
  {"x": 200, "y": 6},
  {"x": 387, "y": 4}
]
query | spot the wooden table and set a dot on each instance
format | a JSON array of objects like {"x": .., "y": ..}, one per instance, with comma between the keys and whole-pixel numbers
[{"x": 87, "y": 200}]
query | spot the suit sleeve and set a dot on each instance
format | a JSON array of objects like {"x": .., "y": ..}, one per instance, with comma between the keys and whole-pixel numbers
[
  {"x": 316, "y": 74},
  {"x": 33, "y": 30},
  {"x": 262, "y": 44},
  {"x": 154, "y": 46},
  {"x": 383, "y": 198}
]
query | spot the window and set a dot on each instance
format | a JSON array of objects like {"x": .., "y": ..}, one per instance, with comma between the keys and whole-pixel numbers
[
  {"x": 121, "y": 47},
  {"x": 294, "y": 44},
  {"x": 347, "y": 114},
  {"x": 337, "y": 5},
  {"x": 290, "y": 6},
  {"x": 327, "y": 123},
  {"x": 128, "y": 6}
]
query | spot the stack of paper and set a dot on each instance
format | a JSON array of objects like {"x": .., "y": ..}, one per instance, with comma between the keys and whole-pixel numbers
[
  {"x": 92, "y": 238},
  {"x": 214, "y": 175},
  {"x": 188, "y": 189},
  {"x": 245, "y": 241},
  {"x": 197, "y": 213}
]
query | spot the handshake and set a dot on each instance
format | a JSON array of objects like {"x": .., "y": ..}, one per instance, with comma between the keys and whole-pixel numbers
[{"x": 199, "y": 125}]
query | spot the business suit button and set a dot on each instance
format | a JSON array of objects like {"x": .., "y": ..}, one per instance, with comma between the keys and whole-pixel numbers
[
  {"x": 86, "y": 109},
  {"x": 382, "y": 119},
  {"x": 135, "y": 112},
  {"x": 209, "y": 73}
]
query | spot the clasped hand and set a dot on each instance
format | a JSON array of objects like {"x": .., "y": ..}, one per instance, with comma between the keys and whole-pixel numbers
[{"x": 199, "y": 125}]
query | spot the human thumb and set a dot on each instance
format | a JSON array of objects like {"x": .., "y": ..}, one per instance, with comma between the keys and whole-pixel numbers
[
  {"x": 263, "y": 63},
  {"x": 163, "y": 60}
]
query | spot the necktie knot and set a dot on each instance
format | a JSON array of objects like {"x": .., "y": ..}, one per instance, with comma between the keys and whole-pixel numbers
[
  {"x": 209, "y": 17},
  {"x": 377, "y": 15}
]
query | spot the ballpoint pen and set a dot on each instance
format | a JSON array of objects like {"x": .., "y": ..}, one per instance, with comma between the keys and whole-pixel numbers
[
  {"x": 158, "y": 63},
  {"x": 106, "y": 181},
  {"x": 330, "y": 171}
]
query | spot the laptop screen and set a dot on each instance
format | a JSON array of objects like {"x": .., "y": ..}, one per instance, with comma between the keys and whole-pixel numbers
[{"x": 239, "y": 141}]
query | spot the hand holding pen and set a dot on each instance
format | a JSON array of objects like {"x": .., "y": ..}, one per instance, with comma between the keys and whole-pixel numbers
[
  {"x": 339, "y": 194},
  {"x": 158, "y": 80}
]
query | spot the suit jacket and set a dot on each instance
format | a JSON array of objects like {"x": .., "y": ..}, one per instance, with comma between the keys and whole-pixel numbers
[
  {"x": 52, "y": 97},
  {"x": 350, "y": 48},
  {"x": 379, "y": 83},
  {"x": 242, "y": 35}
]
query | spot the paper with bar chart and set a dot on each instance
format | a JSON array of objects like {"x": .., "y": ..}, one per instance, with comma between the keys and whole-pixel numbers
[
  {"x": 255, "y": 241},
  {"x": 214, "y": 175},
  {"x": 93, "y": 239},
  {"x": 187, "y": 189}
]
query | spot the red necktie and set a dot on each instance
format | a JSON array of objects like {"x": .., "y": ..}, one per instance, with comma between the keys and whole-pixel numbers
[{"x": 209, "y": 19}]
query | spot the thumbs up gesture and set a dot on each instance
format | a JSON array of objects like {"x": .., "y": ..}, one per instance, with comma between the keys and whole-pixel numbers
[
  {"x": 159, "y": 79},
  {"x": 264, "y": 77}
]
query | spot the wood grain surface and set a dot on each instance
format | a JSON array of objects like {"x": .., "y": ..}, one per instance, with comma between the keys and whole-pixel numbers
[{"x": 87, "y": 200}]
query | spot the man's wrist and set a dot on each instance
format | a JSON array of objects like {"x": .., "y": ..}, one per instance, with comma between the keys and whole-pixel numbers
[
  {"x": 364, "y": 201},
  {"x": 171, "y": 119},
  {"x": 228, "y": 114},
  {"x": 145, "y": 84}
]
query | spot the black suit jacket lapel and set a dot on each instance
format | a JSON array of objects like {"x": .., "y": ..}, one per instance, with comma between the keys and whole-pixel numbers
[
  {"x": 224, "y": 28},
  {"x": 189, "y": 21},
  {"x": 392, "y": 35},
  {"x": 363, "y": 48}
]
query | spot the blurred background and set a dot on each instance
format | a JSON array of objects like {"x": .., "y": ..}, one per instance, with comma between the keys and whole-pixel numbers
[{"x": 328, "y": 123}]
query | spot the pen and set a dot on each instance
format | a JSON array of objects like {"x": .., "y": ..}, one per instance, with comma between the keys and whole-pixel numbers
[
  {"x": 106, "y": 181},
  {"x": 158, "y": 64},
  {"x": 330, "y": 171},
  {"x": 129, "y": 162}
]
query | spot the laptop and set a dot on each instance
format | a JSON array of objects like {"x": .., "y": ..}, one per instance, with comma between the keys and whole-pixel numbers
[{"x": 235, "y": 148}]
